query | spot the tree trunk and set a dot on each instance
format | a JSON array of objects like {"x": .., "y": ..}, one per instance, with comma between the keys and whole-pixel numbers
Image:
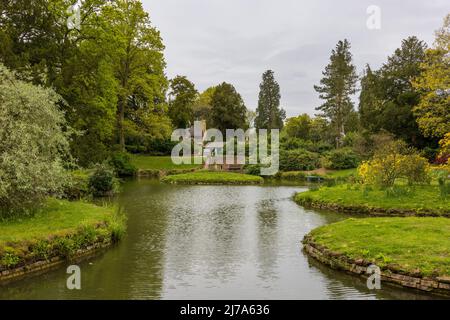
[
  {"x": 123, "y": 99},
  {"x": 121, "y": 126}
]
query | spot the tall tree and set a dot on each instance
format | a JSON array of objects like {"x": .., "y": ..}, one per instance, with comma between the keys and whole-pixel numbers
[
  {"x": 433, "y": 110},
  {"x": 89, "y": 85},
  {"x": 269, "y": 115},
  {"x": 182, "y": 98},
  {"x": 388, "y": 97},
  {"x": 336, "y": 88},
  {"x": 35, "y": 37},
  {"x": 41, "y": 47},
  {"x": 228, "y": 109},
  {"x": 370, "y": 105},
  {"x": 110, "y": 70},
  {"x": 137, "y": 49}
]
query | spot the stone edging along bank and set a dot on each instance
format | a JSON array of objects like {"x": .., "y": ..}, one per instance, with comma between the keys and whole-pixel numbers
[
  {"x": 158, "y": 174},
  {"x": 43, "y": 266},
  {"x": 372, "y": 211},
  {"x": 32, "y": 265},
  {"x": 435, "y": 285}
]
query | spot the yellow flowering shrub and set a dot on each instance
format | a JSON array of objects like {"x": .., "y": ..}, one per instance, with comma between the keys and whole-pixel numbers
[
  {"x": 384, "y": 170},
  {"x": 415, "y": 169},
  {"x": 445, "y": 152},
  {"x": 445, "y": 145}
]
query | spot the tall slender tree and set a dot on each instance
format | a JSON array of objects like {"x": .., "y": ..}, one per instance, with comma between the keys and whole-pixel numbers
[
  {"x": 269, "y": 115},
  {"x": 370, "y": 106},
  {"x": 336, "y": 87}
]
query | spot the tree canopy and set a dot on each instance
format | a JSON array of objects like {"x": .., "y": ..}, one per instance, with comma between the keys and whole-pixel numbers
[
  {"x": 182, "y": 97},
  {"x": 110, "y": 70},
  {"x": 433, "y": 110},
  {"x": 203, "y": 105},
  {"x": 228, "y": 108},
  {"x": 388, "y": 96}
]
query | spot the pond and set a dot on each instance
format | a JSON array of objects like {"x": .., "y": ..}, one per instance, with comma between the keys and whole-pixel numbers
[{"x": 208, "y": 242}]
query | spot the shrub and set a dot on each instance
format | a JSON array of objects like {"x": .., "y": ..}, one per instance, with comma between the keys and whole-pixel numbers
[
  {"x": 252, "y": 169},
  {"x": 430, "y": 154},
  {"x": 444, "y": 183},
  {"x": 89, "y": 149},
  {"x": 340, "y": 159},
  {"x": 444, "y": 145},
  {"x": 121, "y": 162},
  {"x": 9, "y": 257},
  {"x": 34, "y": 149},
  {"x": 443, "y": 157},
  {"x": 78, "y": 186},
  {"x": 384, "y": 169},
  {"x": 103, "y": 181},
  {"x": 160, "y": 147},
  {"x": 293, "y": 175},
  {"x": 298, "y": 160},
  {"x": 87, "y": 235},
  {"x": 65, "y": 247},
  {"x": 42, "y": 249},
  {"x": 295, "y": 143},
  {"x": 320, "y": 147},
  {"x": 442, "y": 160},
  {"x": 415, "y": 169}
]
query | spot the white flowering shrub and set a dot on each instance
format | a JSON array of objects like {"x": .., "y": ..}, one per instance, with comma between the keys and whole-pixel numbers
[{"x": 33, "y": 145}]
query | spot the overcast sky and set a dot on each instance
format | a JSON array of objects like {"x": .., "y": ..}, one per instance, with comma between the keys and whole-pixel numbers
[{"x": 211, "y": 41}]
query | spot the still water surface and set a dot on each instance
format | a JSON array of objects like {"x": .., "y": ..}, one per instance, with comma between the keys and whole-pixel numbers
[{"x": 208, "y": 242}]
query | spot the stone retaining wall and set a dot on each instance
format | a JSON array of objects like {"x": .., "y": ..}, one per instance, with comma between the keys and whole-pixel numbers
[
  {"x": 435, "y": 285},
  {"x": 42, "y": 266}
]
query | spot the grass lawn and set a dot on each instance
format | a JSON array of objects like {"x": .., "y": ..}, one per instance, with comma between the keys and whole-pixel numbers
[
  {"x": 209, "y": 177},
  {"x": 341, "y": 173},
  {"x": 56, "y": 217},
  {"x": 159, "y": 163},
  {"x": 407, "y": 244},
  {"x": 59, "y": 229},
  {"x": 422, "y": 198},
  {"x": 327, "y": 174}
]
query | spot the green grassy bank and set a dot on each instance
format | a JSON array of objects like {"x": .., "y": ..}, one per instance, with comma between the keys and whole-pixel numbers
[
  {"x": 420, "y": 200},
  {"x": 59, "y": 229},
  {"x": 143, "y": 162},
  {"x": 319, "y": 173},
  {"x": 418, "y": 246}
]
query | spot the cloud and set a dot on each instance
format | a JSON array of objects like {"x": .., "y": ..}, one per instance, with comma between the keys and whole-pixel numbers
[{"x": 211, "y": 41}]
